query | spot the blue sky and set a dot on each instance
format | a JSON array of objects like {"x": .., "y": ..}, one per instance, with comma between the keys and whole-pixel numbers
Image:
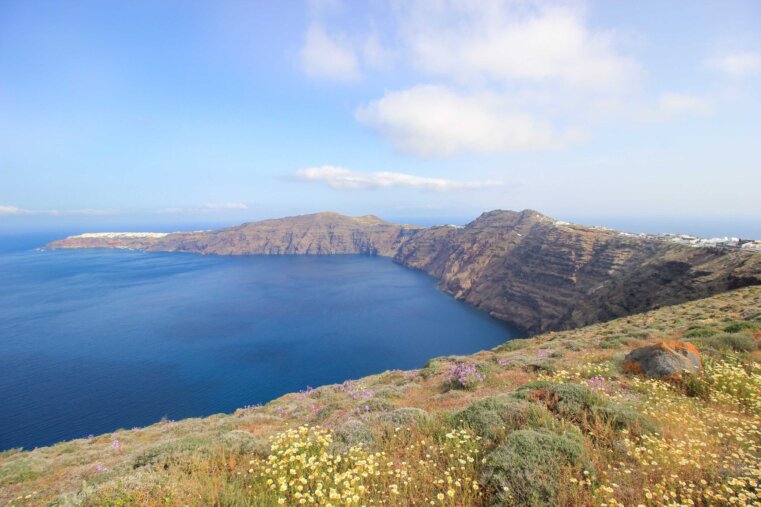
[{"x": 219, "y": 112}]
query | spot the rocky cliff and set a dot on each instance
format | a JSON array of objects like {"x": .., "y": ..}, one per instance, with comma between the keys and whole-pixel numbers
[
  {"x": 522, "y": 267},
  {"x": 545, "y": 275}
]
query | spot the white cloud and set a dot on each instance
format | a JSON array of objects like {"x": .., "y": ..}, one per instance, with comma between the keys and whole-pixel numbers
[
  {"x": 206, "y": 208},
  {"x": 10, "y": 210},
  {"x": 681, "y": 103},
  {"x": 326, "y": 57},
  {"x": 225, "y": 206},
  {"x": 375, "y": 55},
  {"x": 508, "y": 41},
  {"x": 13, "y": 210},
  {"x": 432, "y": 120},
  {"x": 502, "y": 76},
  {"x": 345, "y": 179},
  {"x": 738, "y": 64},
  {"x": 88, "y": 211}
]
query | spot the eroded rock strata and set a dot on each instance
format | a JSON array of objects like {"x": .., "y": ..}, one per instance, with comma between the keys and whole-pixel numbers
[
  {"x": 544, "y": 275},
  {"x": 523, "y": 267}
]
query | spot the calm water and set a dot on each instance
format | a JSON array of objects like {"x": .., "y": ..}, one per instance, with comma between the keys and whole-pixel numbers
[{"x": 95, "y": 340}]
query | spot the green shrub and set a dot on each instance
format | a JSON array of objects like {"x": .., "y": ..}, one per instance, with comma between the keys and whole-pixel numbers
[
  {"x": 570, "y": 401},
  {"x": 694, "y": 385},
  {"x": 328, "y": 410},
  {"x": 162, "y": 453},
  {"x": 736, "y": 341},
  {"x": 493, "y": 417},
  {"x": 405, "y": 416},
  {"x": 700, "y": 332},
  {"x": 352, "y": 433},
  {"x": 16, "y": 471},
  {"x": 514, "y": 344},
  {"x": 376, "y": 405},
  {"x": 740, "y": 325},
  {"x": 526, "y": 468},
  {"x": 739, "y": 342},
  {"x": 622, "y": 417},
  {"x": 243, "y": 442},
  {"x": 434, "y": 367}
]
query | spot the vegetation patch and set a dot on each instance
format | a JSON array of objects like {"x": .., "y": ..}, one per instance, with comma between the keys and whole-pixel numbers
[
  {"x": 494, "y": 417},
  {"x": 569, "y": 401},
  {"x": 527, "y": 468}
]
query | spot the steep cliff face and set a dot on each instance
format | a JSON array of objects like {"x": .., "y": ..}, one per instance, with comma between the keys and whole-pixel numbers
[
  {"x": 316, "y": 234},
  {"x": 522, "y": 267},
  {"x": 543, "y": 275}
]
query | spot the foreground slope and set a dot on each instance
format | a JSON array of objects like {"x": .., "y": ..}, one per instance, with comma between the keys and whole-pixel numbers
[
  {"x": 523, "y": 267},
  {"x": 549, "y": 420}
]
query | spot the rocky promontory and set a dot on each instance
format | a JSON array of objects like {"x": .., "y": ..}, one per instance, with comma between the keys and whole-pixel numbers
[
  {"x": 315, "y": 234},
  {"x": 545, "y": 275}
]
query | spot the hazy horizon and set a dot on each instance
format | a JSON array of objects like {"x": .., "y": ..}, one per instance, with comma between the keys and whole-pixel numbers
[{"x": 748, "y": 228}]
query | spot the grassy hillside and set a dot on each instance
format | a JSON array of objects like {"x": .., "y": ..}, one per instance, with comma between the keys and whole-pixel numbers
[{"x": 550, "y": 420}]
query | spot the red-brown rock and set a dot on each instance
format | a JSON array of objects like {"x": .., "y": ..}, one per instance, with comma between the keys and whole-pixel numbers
[{"x": 665, "y": 359}]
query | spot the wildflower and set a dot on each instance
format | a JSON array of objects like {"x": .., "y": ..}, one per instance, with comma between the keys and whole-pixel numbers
[{"x": 464, "y": 375}]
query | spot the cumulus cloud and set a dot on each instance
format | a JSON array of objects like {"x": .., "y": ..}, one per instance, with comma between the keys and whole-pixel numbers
[
  {"x": 341, "y": 178},
  {"x": 507, "y": 41},
  {"x": 328, "y": 57},
  {"x": 737, "y": 65},
  {"x": 501, "y": 71},
  {"x": 432, "y": 120},
  {"x": 503, "y": 76}
]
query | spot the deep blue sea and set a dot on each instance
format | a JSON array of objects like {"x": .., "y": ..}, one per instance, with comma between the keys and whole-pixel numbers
[{"x": 96, "y": 340}]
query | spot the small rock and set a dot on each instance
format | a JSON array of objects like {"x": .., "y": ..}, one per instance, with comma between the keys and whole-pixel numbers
[{"x": 663, "y": 359}]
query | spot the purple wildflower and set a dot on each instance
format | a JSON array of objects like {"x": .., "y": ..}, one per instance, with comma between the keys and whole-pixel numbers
[
  {"x": 503, "y": 361},
  {"x": 304, "y": 393},
  {"x": 355, "y": 390},
  {"x": 115, "y": 444},
  {"x": 464, "y": 375},
  {"x": 596, "y": 382},
  {"x": 100, "y": 468}
]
